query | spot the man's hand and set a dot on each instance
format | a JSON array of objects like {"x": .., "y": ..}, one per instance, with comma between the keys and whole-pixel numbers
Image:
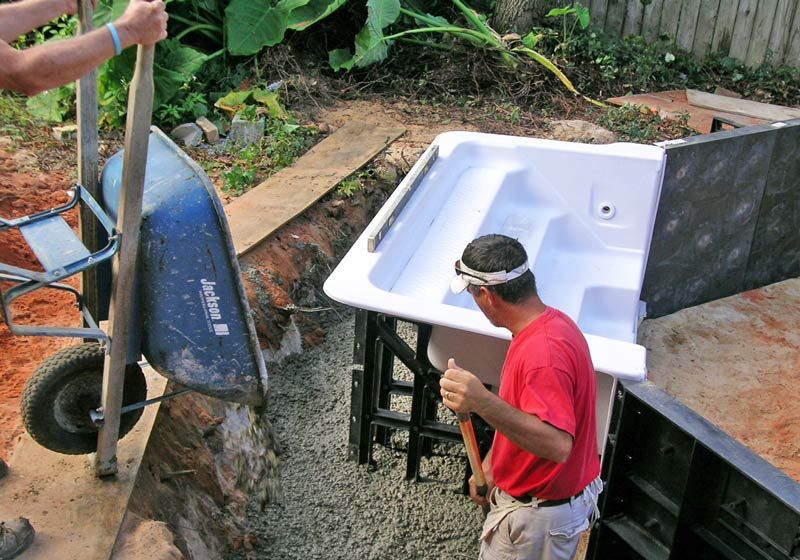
[
  {"x": 143, "y": 23},
  {"x": 461, "y": 390},
  {"x": 483, "y": 501}
]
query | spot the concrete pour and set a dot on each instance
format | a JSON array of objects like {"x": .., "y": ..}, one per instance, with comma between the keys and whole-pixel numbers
[{"x": 333, "y": 508}]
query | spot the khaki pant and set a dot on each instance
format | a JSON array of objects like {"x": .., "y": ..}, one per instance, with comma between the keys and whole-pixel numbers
[{"x": 518, "y": 531}]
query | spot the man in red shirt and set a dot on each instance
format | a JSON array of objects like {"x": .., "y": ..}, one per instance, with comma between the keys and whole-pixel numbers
[{"x": 543, "y": 468}]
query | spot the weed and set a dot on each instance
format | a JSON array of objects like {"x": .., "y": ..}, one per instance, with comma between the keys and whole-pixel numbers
[
  {"x": 635, "y": 123},
  {"x": 238, "y": 180},
  {"x": 349, "y": 187},
  {"x": 15, "y": 119}
]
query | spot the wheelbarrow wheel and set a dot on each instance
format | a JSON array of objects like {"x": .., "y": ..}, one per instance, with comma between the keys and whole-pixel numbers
[{"x": 64, "y": 389}]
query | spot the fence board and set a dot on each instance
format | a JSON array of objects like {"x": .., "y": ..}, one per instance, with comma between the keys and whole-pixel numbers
[
  {"x": 723, "y": 31},
  {"x": 745, "y": 17},
  {"x": 633, "y": 18},
  {"x": 615, "y": 17},
  {"x": 652, "y": 20},
  {"x": 792, "y": 56},
  {"x": 687, "y": 23},
  {"x": 597, "y": 11},
  {"x": 781, "y": 29},
  {"x": 670, "y": 15},
  {"x": 706, "y": 22},
  {"x": 762, "y": 27}
]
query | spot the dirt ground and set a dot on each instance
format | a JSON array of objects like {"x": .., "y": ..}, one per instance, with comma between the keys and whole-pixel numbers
[{"x": 24, "y": 190}]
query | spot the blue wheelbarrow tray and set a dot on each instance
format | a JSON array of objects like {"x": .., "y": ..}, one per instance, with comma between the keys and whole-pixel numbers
[{"x": 192, "y": 321}]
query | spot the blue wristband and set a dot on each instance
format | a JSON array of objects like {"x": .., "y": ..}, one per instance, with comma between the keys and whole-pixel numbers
[{"x": 115, "y": 37}]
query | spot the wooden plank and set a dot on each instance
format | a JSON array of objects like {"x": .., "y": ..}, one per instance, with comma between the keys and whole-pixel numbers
[
  {"x": 633, "y": 18},
  {"x": 670, "y": 15},
  {"x": 75, "y": 514},
  {"x": 762, "y": 29},
  {"x": 792, "y": 56},
  {"x": 597, "y": 11},
  {"x": 259, "y": 212},
  {"x": 673, "y": 104},
  {"x": 687, "y": 23},
  {"x": 723, "y": 31},
  {"x": 706, "y": 22},
  {"x": 782, "y": 29},
  {"x": 615, "y": 17},
  {"x": 123, "y": 269},
  {"x": 651, "y": 20},
  {"x": 745, "y": 16},
  {"x": 744, "y": 107}
]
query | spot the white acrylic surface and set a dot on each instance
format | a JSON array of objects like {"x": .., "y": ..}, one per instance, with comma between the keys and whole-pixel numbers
[{"x": 584, "y": 213}]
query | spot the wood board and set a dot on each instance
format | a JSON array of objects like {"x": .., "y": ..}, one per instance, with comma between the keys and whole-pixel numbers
[
  {"x": 262, "y": 210},
  {"x": 74, "y": 513},
  {"x": 674, "y": 103},
  {"x": 743, "y": 107}
]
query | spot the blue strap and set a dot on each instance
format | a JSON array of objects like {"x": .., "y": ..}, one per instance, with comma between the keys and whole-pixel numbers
[{"x": 115, "y": 37}]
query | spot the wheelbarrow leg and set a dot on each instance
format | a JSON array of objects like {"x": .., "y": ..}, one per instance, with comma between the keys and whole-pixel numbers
[{"x": 140, "y": 106}]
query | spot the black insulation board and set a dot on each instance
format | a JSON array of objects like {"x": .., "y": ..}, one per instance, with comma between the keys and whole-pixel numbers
[{"x": 728, "y": 217}]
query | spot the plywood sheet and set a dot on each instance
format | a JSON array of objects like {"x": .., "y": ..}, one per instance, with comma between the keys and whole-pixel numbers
[
  {"x": 674, "y": 103},
  {"x": 743, "y": 107},
  {"x": 259, "y": 212},
  {"x": 75, "y": 514}
]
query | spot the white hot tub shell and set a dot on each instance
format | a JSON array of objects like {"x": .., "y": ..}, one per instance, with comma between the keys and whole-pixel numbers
[{"x": 584, "y": 213}]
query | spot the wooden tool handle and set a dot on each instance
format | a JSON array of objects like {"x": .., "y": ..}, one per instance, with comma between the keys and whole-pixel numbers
[{"x": 473, "y": 453}]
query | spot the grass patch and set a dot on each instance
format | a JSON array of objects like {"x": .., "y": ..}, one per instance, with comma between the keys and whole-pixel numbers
[{"x": 636, "y": 123}]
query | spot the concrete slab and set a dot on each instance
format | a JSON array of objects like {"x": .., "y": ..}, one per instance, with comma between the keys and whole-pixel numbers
[
  {"x": 75, "y": 514},
  {"x": 736, "y": 361}
]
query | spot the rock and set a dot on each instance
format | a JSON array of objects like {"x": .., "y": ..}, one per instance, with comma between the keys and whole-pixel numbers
[
  {"x": 6, "y": 142},
  {"x": 581, "y": 131},
  {"x": 324, "y": 128},
  {"x": 67, "y": 133},
  {"x": 188, "y": 133},
  {"x": 246, "y": 132},
  {"x": 209, "y": 129}
]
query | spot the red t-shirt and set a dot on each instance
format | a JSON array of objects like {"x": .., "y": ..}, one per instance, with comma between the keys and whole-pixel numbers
[{"x": 548, "y": 372}]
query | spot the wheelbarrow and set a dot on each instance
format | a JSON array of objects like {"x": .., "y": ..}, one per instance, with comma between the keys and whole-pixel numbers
[{"x": 189, "y": 316}]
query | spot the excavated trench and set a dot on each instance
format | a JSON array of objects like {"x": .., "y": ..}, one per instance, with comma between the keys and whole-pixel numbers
[{"x": 190, "y": 499}]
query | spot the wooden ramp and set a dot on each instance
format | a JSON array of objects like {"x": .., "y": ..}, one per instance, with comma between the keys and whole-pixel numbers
[
  {"x": 75, "y": 514},
  {"x": 259, "y": 212}
]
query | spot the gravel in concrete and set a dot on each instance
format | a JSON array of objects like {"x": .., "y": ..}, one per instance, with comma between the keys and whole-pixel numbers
[{"x": 334, "y": 508}]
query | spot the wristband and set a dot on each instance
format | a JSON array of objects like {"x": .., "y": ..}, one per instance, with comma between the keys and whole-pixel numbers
[{"x": 115, "y": 37}]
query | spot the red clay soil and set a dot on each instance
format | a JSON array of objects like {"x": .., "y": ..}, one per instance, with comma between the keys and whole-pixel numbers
[{"x": 23, "y": 193}]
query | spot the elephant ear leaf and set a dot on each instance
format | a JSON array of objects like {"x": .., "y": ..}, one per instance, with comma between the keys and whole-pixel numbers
[
  {"x": 371, "y": 46},
  {"x": 254, "y": 24}
]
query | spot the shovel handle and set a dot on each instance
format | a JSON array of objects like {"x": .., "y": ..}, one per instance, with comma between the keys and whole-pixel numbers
[{"x": 473, "y": 453}]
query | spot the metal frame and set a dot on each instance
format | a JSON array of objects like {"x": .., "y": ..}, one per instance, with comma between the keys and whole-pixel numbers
[
  {"x": 376, "y": 346},
  {"x": 28, "y": 281}
]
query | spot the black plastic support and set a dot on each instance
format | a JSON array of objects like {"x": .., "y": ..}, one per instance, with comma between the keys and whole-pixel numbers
[{"x": 678, "y": 487}]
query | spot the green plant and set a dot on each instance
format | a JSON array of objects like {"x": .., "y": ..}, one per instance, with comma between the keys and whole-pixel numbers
[
  {"x": 348, "y": 187},
  {"x": 579, "y": 15},
  {"x": 238, "y": 180},
  {"x": 635, "y": 123}
]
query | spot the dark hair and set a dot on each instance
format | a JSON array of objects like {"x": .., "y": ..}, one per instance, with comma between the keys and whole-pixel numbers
[{"x": 493, "y": 253}]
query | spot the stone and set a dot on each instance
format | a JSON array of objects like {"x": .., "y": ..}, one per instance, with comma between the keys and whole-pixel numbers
[
  {"x": 6, "y": 142},
  {"x": 324, "y": 128},
  {"x": 24, "y": 158},
  {"x": 66, "y": 133},
  {"x": 188, "y": 133},
  {"x": 245, "y": 132},
  {"x": 209, "y": 129},
  {"x": 581, "y": 131}
]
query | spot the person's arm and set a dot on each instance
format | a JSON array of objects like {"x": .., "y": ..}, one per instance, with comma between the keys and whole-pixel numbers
[
  {"x": 17, "y": 18},
  {"x": 463, "y": 392},
  {"x": 53, "y": 64}
]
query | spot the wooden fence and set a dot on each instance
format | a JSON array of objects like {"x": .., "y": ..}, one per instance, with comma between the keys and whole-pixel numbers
[{"x": 743, "y": 29}]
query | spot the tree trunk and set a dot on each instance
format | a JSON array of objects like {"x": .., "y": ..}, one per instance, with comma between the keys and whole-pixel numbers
[{"x": 519, "y": 16}]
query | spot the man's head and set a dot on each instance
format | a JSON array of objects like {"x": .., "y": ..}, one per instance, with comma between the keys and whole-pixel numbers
[{"x": 505, "y": 266}]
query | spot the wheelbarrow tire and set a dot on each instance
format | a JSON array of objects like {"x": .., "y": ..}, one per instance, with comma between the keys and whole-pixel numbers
[{"x": 64, "y": 389}]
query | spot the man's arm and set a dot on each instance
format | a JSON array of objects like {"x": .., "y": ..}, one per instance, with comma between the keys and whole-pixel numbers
[
  {"x": 463, "y": 392},
  {"x": 43, "y": 67},
  {"x": 17, "y": 18}
]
